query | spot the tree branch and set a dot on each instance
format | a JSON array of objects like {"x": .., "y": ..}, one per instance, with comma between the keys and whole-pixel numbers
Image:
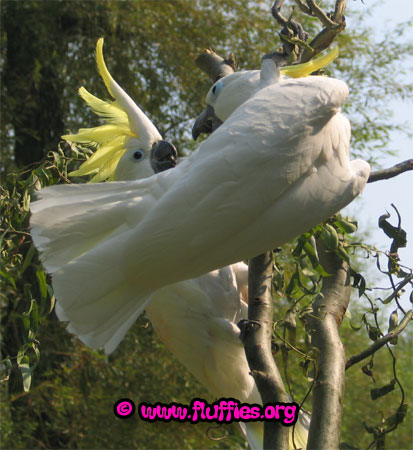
[
  {"x": 320, "y": 14},
  {"x": 333, "y": 24},
  {"x": 339, "y": 10},
  {"x": 385, "y": 174},
  {"x": 303, "y": 7},
  {"x": 322, "y": 41},
  {"x": 322, "y": 324},
  {"x": 381, "y": 342},
  {"x": 256, "y": 334},
  {"x": 275, "y": 11},
  {"x": 214, "y": 65}
]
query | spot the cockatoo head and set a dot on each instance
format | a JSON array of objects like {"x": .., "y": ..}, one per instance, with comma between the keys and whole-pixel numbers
[
  {"x": 135, "y": 164},
  {"x": 128, "y": 143},
  {"x": 233, "y": 90}
]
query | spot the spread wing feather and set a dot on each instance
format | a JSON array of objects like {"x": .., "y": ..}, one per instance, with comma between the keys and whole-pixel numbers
[{"x": 278, "y": 166}]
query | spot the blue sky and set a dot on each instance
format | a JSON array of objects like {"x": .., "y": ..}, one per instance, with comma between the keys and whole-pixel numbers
[{"x": 377, "y": 197}]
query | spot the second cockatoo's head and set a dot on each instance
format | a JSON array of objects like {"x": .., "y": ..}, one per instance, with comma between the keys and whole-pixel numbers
[
  {"x": 233, "y": 90},
  {"x": 128, "y": 146}
]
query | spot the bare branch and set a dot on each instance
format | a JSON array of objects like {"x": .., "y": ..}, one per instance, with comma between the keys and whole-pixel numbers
[
  {"x": 399, "y": 287},
  {"x": 323, "y": 40},
  {"x": 214, "y": 65},
  {"x": 303, "y": 7},
  {"x": 339, "y": 10},
  {"x": 275, "y": 11},
  {"x": 381, "y": 342},
  {"x": 332, "y": 26},
  {"x": 318, "y": 12},
  {"x": 296, "y": 41},
  {"x": 322, "y": 324},
  {"x": 256, "y": 333},
  {"x": 385, "y": 174}
]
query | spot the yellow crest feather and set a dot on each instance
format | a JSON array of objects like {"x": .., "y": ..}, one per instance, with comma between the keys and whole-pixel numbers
[
  {"x": 108, "y": 110},
  {"x": 302, "y": 70},
  {"x": 103, "y": 154},
  {"x": 103, "y": 70},
  {"x": 107, "y": 171},
  {"x": 97, "y": 135},
  {"x": 109, "y": 139}
]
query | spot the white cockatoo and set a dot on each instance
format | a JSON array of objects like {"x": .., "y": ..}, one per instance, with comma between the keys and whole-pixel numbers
[
  {"x": 277, "y": 166},
  {"x": 231, "y": 91},
  {"x": 196, "y": 319}
]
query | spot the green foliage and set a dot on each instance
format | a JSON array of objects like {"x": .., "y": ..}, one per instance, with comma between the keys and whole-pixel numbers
[
  {"x": 26, "y": 294},
  {"x": 384, "y": 382},
  {"x": 70, "y": 405}
]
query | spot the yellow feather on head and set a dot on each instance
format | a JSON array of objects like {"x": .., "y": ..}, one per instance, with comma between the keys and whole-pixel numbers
[
  {"x": 303, "y": 70},
  {"x": 109, "y": 139}
]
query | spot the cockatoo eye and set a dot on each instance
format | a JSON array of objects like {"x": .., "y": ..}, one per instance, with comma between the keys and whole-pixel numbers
[
  {"x": 138, "y": 154},
  {"x": 217, "y": 87}
]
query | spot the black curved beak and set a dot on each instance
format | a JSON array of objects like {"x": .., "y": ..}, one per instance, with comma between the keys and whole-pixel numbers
[
  {"x": 163, "y": 156},
  {"x": 206, "y": 122}
]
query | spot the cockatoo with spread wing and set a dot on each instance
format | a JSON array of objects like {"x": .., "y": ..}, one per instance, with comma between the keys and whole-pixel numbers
[
  {"x": 197, "y": 318},
  {"x": 277, "y": 166}
]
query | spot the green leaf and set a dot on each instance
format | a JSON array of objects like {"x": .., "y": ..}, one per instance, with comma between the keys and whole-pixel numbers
[
  {"x": 393, "y": 322},
  {"x": 26, "y": 372},
  {"x": 292, "y": 284},
  {"x": 384, "y": 390},
  {"x": 374, "y": 333},
  {"x": 329, "y": 236},
  {"x": 6, "y": 367},
  {"x": 42, "y": 283},
  {"x": 299, "y": 247},
  {"x": 26, "y": 201},
  {"x": 362, "y": 286},
  {"x": 28, "y": 258},
  {"x": 34, "y": 318},
  {"x": 52, "y": 298},
  {"x": 347, "y": 225},
  {"x": 8, "y": 277},
  {"x": 313, "y": 257},
  {"x": 342, "y": 253}
]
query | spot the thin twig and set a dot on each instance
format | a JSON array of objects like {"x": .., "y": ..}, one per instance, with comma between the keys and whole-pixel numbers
[
  {"x": 339, "y": 10},
  {"x": 397, "y": 289},
  {"x": 394, "y": 171},
  {"x": 381, "y": 342},
  {"x": 318, "y": 12},
  {"x": 303, "y": 7},
  {"x": 275, "y": 11}
]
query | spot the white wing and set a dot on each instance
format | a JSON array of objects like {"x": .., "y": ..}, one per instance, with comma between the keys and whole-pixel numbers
[
  {"x": 196, "y": 319},
  {"x": 72, "y": 228},
  {"x": 271, "y": 171},
  {"x": 276, "y": 167}
]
